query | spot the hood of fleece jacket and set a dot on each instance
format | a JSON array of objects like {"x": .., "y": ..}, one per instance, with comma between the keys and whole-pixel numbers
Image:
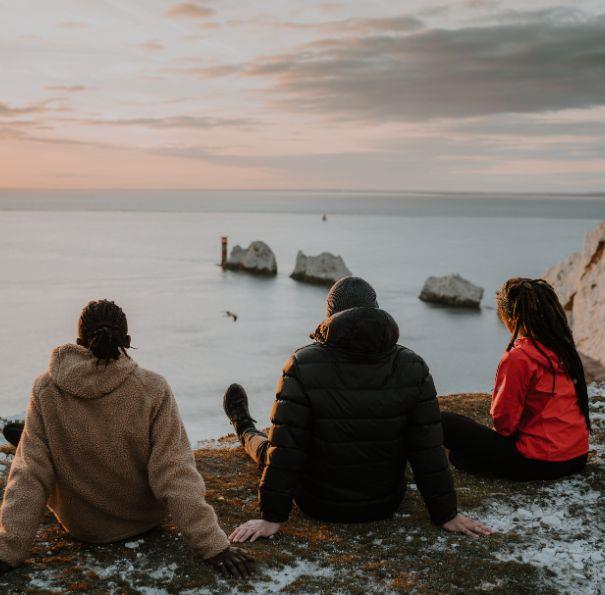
[{"x": 75, "y": 370}]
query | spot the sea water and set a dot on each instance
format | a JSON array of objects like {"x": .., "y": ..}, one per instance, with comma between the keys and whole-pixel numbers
[{"x": 156, "y": 254}]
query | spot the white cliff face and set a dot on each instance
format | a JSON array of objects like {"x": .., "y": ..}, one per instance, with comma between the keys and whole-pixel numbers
[
  {"x": 580, "y": 284},
  {"x": 324, "y": 269},
  {"x": 565, "y": 278},
  {"x": 452, "y": 290},
  {"x": 258, "y": 259}
]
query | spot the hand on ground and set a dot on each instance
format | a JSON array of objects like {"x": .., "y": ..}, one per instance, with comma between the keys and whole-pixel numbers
[
  {"x": 462, "y": 524},
  {"x": 254, "y": 529},
  {"x": 233, "y": 562}
]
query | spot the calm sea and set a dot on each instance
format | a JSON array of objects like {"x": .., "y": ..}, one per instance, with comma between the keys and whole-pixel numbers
[{"x": 156, "y": 254}]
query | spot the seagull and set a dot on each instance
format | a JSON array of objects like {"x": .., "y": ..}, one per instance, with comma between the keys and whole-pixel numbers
[{"x": 231, "y": 315}]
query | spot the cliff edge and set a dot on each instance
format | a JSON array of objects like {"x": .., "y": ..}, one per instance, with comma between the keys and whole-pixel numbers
[
  {"x": 549, "y": 540},
  {"x": 579, "y": 281}
]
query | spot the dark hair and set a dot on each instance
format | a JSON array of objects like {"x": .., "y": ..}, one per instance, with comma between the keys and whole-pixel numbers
[
  {"x": 532, "y": 306},
  {"x": 103, "y": 329}
]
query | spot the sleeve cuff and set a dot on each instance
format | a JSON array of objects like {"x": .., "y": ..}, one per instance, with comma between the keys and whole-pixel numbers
[
  {"x": 218, "y": 545},
  {"x": 273, "y": 518},
  {"x": 441, "y": 519}
]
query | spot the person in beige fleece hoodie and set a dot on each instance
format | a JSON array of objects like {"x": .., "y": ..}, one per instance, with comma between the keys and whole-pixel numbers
[{"x": 105, "y": 448}]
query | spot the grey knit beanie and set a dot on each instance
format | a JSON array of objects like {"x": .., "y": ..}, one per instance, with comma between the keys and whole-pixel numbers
[{"x": 350, "y": 292}]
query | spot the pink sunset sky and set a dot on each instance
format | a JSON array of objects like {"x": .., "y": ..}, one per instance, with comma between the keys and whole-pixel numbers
[{"x": 480, "y": 95}]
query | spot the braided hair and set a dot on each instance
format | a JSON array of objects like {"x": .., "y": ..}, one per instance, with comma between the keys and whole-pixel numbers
[
  {"x": 531, "y": 306},
  {"x": 103, "y": 329}
]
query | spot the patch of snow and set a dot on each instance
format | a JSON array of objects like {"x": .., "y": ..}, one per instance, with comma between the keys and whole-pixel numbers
[
  {"x": 275, "y": 580},
  {"x": 490, "y": 586},
  {"x": 561, "y": 528},
  {"x": 44, "y": 582},
  {"x": 165, "y": 573},
  {"x": 281, "y": 578}
]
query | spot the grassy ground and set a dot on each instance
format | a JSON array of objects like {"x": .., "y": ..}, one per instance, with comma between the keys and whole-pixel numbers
[{"x": 404, "y": 554}]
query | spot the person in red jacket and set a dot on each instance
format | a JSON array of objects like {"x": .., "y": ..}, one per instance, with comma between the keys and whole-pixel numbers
[{"x": 539, "y": 408}]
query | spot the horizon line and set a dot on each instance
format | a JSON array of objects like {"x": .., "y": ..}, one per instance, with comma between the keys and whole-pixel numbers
[{"x": 593, "y": 194}]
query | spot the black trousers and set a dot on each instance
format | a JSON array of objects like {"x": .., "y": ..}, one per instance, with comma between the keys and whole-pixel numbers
[
  {"x": 475, "y": 448},
  {"x": 12, "y": 432}
]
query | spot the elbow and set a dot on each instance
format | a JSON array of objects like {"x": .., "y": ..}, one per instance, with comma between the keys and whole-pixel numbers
[{"x": 504, "y": 428}]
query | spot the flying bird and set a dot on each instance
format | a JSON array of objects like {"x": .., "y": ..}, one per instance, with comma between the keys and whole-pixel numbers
[{"x": 231, "y": 315}]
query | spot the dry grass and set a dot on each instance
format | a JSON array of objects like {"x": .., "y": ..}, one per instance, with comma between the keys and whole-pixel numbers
[{"x": 404, "y": 554}]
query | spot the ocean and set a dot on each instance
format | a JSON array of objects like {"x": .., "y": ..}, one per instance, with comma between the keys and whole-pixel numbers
[{"x": 156, "y": 254}]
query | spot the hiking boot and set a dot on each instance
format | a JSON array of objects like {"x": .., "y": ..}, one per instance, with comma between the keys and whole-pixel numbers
[
  {"x": 235, "y": 404},
  {"x": 12, "y": 432}
]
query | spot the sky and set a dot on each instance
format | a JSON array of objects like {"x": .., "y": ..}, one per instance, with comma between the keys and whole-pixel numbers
[{"x": 429, "y": 95}]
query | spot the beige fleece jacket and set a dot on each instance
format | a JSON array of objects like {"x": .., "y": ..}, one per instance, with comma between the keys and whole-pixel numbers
[{"x": 105, "y": 448}]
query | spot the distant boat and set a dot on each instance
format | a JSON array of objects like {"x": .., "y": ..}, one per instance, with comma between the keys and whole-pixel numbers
[{"x": 324, "y": 218}]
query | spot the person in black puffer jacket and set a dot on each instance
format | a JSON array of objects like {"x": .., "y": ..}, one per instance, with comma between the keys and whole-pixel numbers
[{"x": 351, "y": 410}]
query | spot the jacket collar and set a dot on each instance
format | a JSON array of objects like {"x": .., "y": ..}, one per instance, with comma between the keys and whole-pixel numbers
[
  {"x": 368, "y": 331},
  {"x": 538, "y": 352}
]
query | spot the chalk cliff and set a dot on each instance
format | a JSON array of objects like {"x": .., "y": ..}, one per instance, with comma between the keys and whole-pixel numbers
[{"x": 579, "y": 281}]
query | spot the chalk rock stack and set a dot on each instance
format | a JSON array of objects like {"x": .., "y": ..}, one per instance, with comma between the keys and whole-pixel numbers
[
  {"x": 257, "y": 258},
  {"x": 452, "y": 290},
  {"x": 579, "y": 281},
  {"x": 324, "y": 269}
]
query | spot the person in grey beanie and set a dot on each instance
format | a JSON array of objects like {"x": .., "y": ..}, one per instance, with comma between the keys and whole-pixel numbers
[{"x": 351, "y": 410}]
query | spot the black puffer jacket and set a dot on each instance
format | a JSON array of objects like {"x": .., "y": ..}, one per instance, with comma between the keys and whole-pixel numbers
[{"x": 351, "y": 409}]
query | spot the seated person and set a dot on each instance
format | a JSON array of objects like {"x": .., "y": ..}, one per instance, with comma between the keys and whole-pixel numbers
[
  {"x": 105, "y": 448},
  {"x": 540, "y": 402},
  {"x": 351, "y": 410}
]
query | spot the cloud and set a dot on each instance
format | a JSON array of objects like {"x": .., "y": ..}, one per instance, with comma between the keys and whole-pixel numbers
[
  {"x": 10, "y": 133},
  {"x": 398, "y": 24},
  {"x": 151, "y": 46},
  {"x": 188, "y": 10},
  {"x": 522, "y": 126},
  {"x": 481, "y": 3},
  {"x": 552, "y": 14},
  {"x": 199, "y": 122},
  {"x": 209, "y": 72},
  {"x": 6, "y": 111},
  {"x": 533, "y": 66},
  {"x": 25, "y": 132},
  {"x": 68, "y": 88}
]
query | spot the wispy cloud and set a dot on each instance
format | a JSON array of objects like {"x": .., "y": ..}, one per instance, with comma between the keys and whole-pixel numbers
[
  {"x": 8, "y": 111},
  {"x": 68, "y": 88},
  {"x": 200, "y": 122},
  {"x": 209, "y": 72},
  {"x": 151, "y": 46},
  {"x": 189, "y": 10},
  {"x": 402, "y": 23},
  {"x": 528, "y": 126}
]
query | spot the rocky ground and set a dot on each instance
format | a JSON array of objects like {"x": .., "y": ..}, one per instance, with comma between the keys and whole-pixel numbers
[{"x": 551, "y": 539}]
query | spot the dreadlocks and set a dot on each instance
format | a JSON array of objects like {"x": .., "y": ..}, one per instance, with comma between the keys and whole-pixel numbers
[
  {"x": 532, "y": 307},
  {"x": 104, "y": 330}
]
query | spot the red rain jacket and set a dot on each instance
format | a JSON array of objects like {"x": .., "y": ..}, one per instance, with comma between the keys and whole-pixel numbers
[{"x": 549, "y": 427}]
